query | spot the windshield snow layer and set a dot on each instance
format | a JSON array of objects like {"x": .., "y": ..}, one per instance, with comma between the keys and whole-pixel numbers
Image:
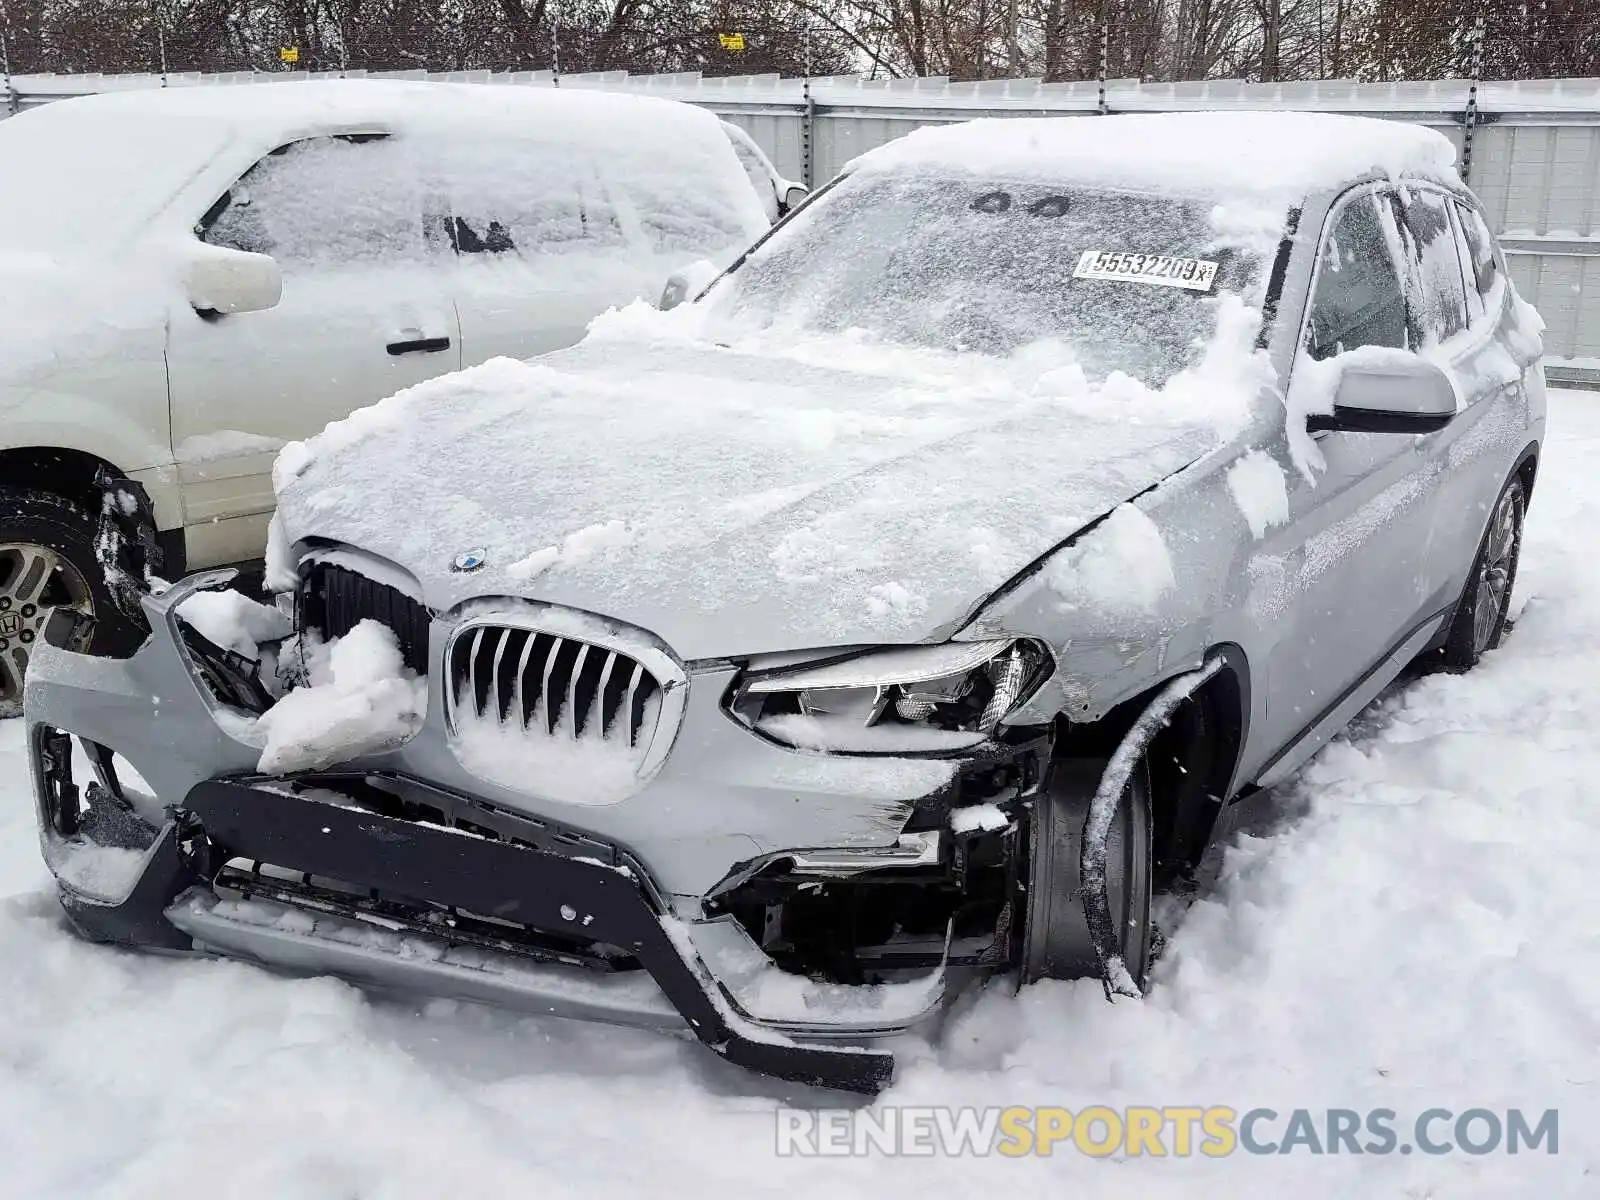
[{"x": 994, "y": 266}]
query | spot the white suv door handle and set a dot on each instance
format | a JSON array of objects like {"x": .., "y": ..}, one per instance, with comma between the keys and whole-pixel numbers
[{"x": 422, "y": 345}]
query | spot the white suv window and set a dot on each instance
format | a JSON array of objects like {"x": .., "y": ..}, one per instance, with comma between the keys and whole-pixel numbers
[
  {"x": 324, "y": 203},
  {"x": 529, "y": 200},
  {"x": 756, "y": 168}
]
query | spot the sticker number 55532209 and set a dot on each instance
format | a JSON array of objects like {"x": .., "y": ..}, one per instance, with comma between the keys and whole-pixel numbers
[{"x": 1196, "y": 274}]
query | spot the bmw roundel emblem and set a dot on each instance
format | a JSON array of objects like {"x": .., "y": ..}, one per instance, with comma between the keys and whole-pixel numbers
[{"x": 469, "y": 560}]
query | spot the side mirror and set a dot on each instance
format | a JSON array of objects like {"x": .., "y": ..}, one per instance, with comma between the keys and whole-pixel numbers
[
  {"x": 796, "y": 193},
  {"x": 219, "y": 281},
  {"x": 1401, "y": 397},
  {"x": 675, "y": 293},
  {"x": 688, "y": 283}
]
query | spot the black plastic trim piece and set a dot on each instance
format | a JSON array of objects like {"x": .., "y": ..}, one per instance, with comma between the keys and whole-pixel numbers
[
  {"x": 174, "y": 553},
  {"x": 526, "y": 884},
  {"x": 1280, "y": 272},
  {"x": 140, "y": 920},
  {"x": 335, "y": 599},
  {"x": 1362, "y": 420}
]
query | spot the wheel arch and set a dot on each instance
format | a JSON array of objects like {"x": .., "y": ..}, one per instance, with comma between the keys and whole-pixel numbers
[
  {"x": 1527, "y": 469},
  {"x": 1194, "y": 760},
  {"x": 70, "y": 474},
  {"x": 58, "y": 470}
]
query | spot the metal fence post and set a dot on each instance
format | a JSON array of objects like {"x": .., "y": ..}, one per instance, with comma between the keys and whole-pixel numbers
[
  {"x": 1469, "y": 119},
  {"x": 13, "y": 99},
  {"x": 808, "y": 165},
  {"x": 1104, "y": 61}
]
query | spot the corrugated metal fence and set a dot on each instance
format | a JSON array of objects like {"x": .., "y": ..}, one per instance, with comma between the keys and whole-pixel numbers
[{"x": 1531, "y": 149}]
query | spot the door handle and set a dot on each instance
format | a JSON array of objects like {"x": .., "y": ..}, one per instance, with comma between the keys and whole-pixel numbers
[{"x": 427, "y": 345}]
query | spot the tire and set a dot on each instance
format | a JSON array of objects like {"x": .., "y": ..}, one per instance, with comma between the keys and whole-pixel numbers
[
  {"x": 1055, "y": 937},
  {"x": 1479, "y": 624},
  {"x": 47, "y": 562}
]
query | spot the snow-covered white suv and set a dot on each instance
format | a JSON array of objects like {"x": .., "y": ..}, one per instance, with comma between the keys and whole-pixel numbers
[{"x": 192, "y": 277}]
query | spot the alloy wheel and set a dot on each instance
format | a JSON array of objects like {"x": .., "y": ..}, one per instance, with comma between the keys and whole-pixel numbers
[
  {"x": 1495, "y": 572},
  {"x": 35, "y": 583}
]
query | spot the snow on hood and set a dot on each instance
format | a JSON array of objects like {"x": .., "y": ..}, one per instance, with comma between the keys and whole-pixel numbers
[{"x": 744, "y": 499}]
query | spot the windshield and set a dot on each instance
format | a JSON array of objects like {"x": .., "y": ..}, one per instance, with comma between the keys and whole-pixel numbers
[{"x": 1119, "y": 281}]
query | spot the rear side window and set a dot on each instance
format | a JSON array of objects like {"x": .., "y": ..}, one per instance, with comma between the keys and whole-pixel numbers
[
  {"x": 526, "y": 200},
  {"x": 617, "y": 205},
  {"x": 1484, "y": 268},
  {"x": 1358, "y": 300},
  {"x": 680, "y": 217},
  {"x": 760, "y": 178},
  {"x": 324, "y": 203},
  {"x": 1439, "y": 300}
]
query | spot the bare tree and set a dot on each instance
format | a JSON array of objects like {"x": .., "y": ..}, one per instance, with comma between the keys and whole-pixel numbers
[{"x": 964, "y": 39}]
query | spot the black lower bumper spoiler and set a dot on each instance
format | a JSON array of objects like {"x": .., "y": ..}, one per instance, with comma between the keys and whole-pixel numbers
[{"x": 553, "y": 885}]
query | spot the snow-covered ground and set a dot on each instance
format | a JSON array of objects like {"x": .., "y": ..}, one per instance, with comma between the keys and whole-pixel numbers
[{"x": 1422, "y": 933}]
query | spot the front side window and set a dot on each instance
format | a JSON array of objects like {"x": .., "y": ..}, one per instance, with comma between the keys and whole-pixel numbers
[
  {"x": 324, "y": 204},
  {"x": 1358, "y": 299}
]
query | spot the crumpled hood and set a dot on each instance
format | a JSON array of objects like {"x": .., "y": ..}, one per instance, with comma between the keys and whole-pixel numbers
[{"x": 731, "y": 502}]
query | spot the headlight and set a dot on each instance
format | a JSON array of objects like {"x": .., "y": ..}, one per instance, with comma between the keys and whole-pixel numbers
[{"x": 906, "y": 700}]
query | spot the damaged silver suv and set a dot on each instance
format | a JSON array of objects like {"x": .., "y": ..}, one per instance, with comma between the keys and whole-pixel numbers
[{"x": 902, "y": 611}]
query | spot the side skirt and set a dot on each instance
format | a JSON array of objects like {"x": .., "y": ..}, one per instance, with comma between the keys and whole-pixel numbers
[{"x": 1356, "y": 697}]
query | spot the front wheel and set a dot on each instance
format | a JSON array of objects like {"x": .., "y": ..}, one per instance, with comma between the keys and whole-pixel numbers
[
  {"x": 1481, "y": 615},
  {"x": 1056, "y": 943},
  {"x": 47, "y": 564}
]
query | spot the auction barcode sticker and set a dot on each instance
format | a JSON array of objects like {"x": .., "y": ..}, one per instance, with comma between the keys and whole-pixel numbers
[{"x": 1196, "y": 274}]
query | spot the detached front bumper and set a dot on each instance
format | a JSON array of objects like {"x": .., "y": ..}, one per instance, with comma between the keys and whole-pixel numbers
[
  {"x": 392, "y": 877},
  {"x": 522, "y": 916}
]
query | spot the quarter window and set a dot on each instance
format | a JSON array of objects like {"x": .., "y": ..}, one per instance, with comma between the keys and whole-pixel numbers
[
  {"x": 1358, "y": 299},
  {"x": 1485, "y": 268},
  {"x": 1475, "y": 305}
]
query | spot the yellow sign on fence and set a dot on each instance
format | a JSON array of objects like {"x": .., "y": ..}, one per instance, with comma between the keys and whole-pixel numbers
[
  {"x": 289, "y": 54},
  {"x": 731, "y": 41}
]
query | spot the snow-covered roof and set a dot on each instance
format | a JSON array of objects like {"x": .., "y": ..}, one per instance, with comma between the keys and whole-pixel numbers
[
  {"x": 574, "y": 116},
  {"x": 1211, "y": 153},
  {"x": 93, "y": 169}
]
